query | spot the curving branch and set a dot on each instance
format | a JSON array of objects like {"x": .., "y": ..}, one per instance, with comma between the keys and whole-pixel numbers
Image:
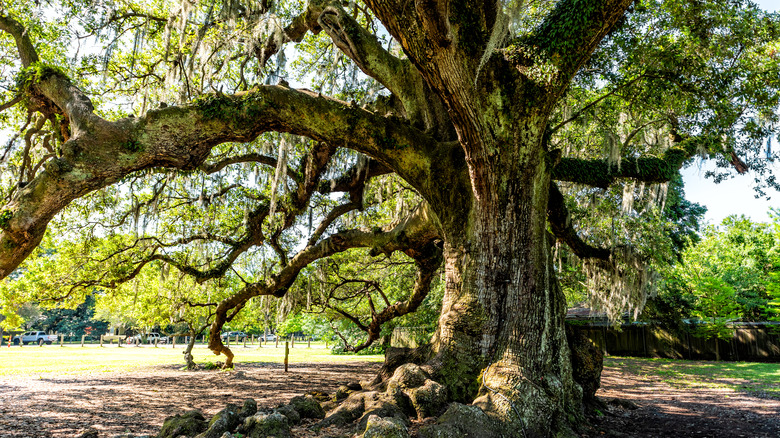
[
  {"x": 294, "y": 32},
  {"x": 414, "y": 236},
  {"x": 594, "y": 102},
  {"x": 398, "y": 75},
  {"x": 335, "y": 213},
  {"x": 567, "y": 37},
  {"x": 210, "y": 168},
  {"x": 100, "y": 152},
  {"x": 561, "y": 227},
  {"x": 10, "y": 103},
  {"x": 27, "y": 53},
  {"x": 427, "y": 266}
]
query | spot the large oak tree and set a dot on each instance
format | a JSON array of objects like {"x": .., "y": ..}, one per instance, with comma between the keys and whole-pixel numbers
[{"x": 491, "y": 112}]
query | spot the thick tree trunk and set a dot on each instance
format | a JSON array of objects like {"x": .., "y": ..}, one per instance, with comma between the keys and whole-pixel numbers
[{"x": 501, "y": 341}]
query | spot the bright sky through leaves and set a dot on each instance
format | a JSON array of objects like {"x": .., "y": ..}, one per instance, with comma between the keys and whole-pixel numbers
[{"x": 736, "y": 195}]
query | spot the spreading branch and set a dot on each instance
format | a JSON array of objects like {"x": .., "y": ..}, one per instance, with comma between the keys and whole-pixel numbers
[
  {"x": 567, "y": 37},
  {"x": 414, "y": 236},
  {"x": 101, "y": 152},
  {"x": 27, "y": 53},
  {"x": 215, "y": 167}
]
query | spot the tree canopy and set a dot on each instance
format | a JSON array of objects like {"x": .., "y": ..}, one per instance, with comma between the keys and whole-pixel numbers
[{"x": 235, "y": 146}]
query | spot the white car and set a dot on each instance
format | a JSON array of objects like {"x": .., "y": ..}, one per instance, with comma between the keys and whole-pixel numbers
[{"x": 150, "y": 337}]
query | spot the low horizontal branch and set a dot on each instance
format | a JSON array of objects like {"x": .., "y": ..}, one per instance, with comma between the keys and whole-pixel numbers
[{"x": 601, "y": 173}]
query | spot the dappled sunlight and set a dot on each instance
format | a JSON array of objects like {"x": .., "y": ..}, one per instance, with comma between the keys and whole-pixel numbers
[
  {"x": 139, "y": 400},
  {"x": 692, "y": 398}
]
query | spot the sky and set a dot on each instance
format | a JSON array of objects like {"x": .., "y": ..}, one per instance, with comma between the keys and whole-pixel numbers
[
  {"x": 733, "y": 196},
  {"x": 736, "y": 195}
]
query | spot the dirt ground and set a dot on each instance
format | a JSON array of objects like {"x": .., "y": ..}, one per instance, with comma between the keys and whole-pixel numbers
[
  {"x": 664, "y": 410},
  {"x": 138, "y": 402}
]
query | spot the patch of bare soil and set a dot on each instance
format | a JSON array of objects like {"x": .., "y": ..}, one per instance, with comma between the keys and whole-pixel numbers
[
  {"x": 138, "y": 402},
  {"x": 664, "y": 410}
]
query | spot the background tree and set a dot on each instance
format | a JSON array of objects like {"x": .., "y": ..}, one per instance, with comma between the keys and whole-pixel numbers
[
  {"x": 74, "y": 322},
  {"x": 480, "y": 110},
  {"x": 728, "y": 274}
]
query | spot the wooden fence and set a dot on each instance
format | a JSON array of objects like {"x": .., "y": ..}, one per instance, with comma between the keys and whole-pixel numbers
[
  {"x": 758, "y": 342},
  {"x": 750, "y": 342}
]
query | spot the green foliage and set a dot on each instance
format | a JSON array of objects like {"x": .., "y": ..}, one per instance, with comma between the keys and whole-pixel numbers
[
  {"x": 5, "y": 218},
  {"x": 729, "y": 275},
  {"x": 715, "y": 306},
  {"x": 73, "y": 322},
  {"x": 658, "y": 225},
  {"x": 291, "y": 324},
  {"x": 36, "y": 73}
]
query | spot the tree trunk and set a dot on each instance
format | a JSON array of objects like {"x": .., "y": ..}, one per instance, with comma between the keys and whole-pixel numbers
[
  {"x": 190, "y": 362},
  {"x": 501, "y": 340},
  {"x": 217, "y": 347}
]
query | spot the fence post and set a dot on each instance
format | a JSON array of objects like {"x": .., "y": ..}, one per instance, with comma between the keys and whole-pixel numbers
[
  {"x": 155, "y": 341},
  {"x": 101, "y": 341},
  {"x": 293, "y": 341},
  {"x": 82, "y": 340},
  {"x": 173, "y": 341},
  {"x": 688, "y": 340},
  {"x": 309, "y": 346},
  {"x": 244, "y": 341},
  {"x": 286, "y": 354},
  {"x": 277, "y": 342}
]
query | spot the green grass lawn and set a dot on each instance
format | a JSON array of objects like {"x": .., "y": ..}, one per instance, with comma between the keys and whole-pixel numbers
[
  {"x": 762, "y": 379},
  {"x": 74, "y": 359}
]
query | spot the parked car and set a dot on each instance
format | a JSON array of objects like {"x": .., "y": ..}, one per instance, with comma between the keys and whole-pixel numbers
[
  {"x": 232, "y": 335},
  {"x": 35, "y": 338},
  {"x": 150, "y": 337}
]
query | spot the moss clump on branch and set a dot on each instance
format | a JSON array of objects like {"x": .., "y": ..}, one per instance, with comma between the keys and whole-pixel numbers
[
  {"x": 36, "y": 73},
  {"x": 5, "y": 219},
  {"x": 133, "y": 146},
  {"x": 234, "y": 108},
  {"x": 600, "y": 173}
]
